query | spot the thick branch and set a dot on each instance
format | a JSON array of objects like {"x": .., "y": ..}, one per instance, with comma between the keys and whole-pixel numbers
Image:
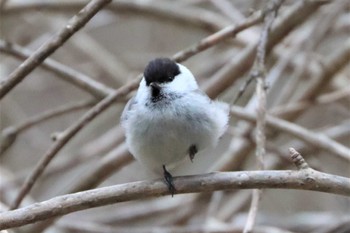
[{"x": 304, "y": 180}]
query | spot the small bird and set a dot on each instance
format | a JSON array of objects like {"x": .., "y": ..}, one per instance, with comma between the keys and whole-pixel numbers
[{"x": 171, "y": 118}]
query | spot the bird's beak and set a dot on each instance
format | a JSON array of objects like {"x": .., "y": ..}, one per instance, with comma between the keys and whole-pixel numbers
[
  {"x": 155, "y": 86},
  {"x": 155, "y": 89}
]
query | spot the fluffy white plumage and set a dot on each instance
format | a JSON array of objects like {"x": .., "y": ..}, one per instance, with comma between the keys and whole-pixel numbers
[{"x": 160, "y": 131}]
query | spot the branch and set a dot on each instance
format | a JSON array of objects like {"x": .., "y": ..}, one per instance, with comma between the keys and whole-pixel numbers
[
  {"x": 258, "y": 73},
  {"x": 10, "y": 134},
  {"x": 334, "y": 63},
  {"x": 108, "y": 165},
  {"x": 298, "y": 160},
  {"x": 94, "y": 149},
  {"x": 75, "y": 225},
  {"x": 163, "y": 10},
  {"x": 300, "y": 106},
  {"x": 76, "y": 23},
  {"x": 68, "y": 74},
  {"x": 315, "y": 139},
  {"x": 225, "y": 33},
  {"x": 301, "y": 179},
  {"x": 242, "y": 62}
]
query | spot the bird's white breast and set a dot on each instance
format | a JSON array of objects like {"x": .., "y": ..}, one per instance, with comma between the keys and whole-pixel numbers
[{"x": 161, "y": 135}]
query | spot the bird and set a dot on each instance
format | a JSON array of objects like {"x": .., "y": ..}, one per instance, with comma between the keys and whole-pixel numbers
[{"x": 170, "y": 118}]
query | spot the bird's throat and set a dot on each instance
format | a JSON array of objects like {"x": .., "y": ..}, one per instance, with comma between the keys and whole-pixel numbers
[{"x": 156, "y": 94}]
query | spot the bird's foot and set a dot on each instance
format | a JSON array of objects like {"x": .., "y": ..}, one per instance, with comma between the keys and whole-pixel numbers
[
  {"x": 192, "y": 151},
  {"x": 169, "y": 181}
]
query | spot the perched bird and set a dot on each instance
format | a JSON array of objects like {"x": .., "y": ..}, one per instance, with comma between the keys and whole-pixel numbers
[{"x": 170, "y": 118}]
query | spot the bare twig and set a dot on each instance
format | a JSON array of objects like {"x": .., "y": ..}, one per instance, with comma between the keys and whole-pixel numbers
[
  {"x": 305, "y": 52},
  {"x": 92, "y": 150},
  {"x": 162, "y": 10},
  {"x": 105, "y": 59},
  {"x": 315, "y": 139},
  {"x": 304, "y": 180},
  {"x": 298, "y": 160},
  {"x": 10, "y": 134},
  {"x": 110, "y": 163},
  {"x": 68, "y": 74},
  {"x": 234, "y": 204},
  {"x": 93, "y": 227},
  {"x": 320, "y": 100},
  {"x": 334, "y": 63},
  {"x": 76, "y": 23},
  {"x": 253, "y": 210},
  {"x": 258, "y": 73},
  {"x": 143, "y": 209},
  {"x": 217, "y": 37}
]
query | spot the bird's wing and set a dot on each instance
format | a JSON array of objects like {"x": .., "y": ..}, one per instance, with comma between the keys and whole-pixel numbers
[{"x": 127, "y": 109}]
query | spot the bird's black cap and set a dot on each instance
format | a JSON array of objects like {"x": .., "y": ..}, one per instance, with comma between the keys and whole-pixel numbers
[{"x": 161, "y": 70}]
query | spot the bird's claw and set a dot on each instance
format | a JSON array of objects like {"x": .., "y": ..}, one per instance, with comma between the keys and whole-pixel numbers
[{"x": 169, "y": 181}]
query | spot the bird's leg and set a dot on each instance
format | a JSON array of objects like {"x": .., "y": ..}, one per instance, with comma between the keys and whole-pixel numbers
[
  {"x": 169, "y": 181},
  {"x": 192, "y": 151}
]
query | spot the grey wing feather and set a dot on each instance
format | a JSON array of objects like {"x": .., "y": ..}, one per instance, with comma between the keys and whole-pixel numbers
[{"x": 127, "y": 109}]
